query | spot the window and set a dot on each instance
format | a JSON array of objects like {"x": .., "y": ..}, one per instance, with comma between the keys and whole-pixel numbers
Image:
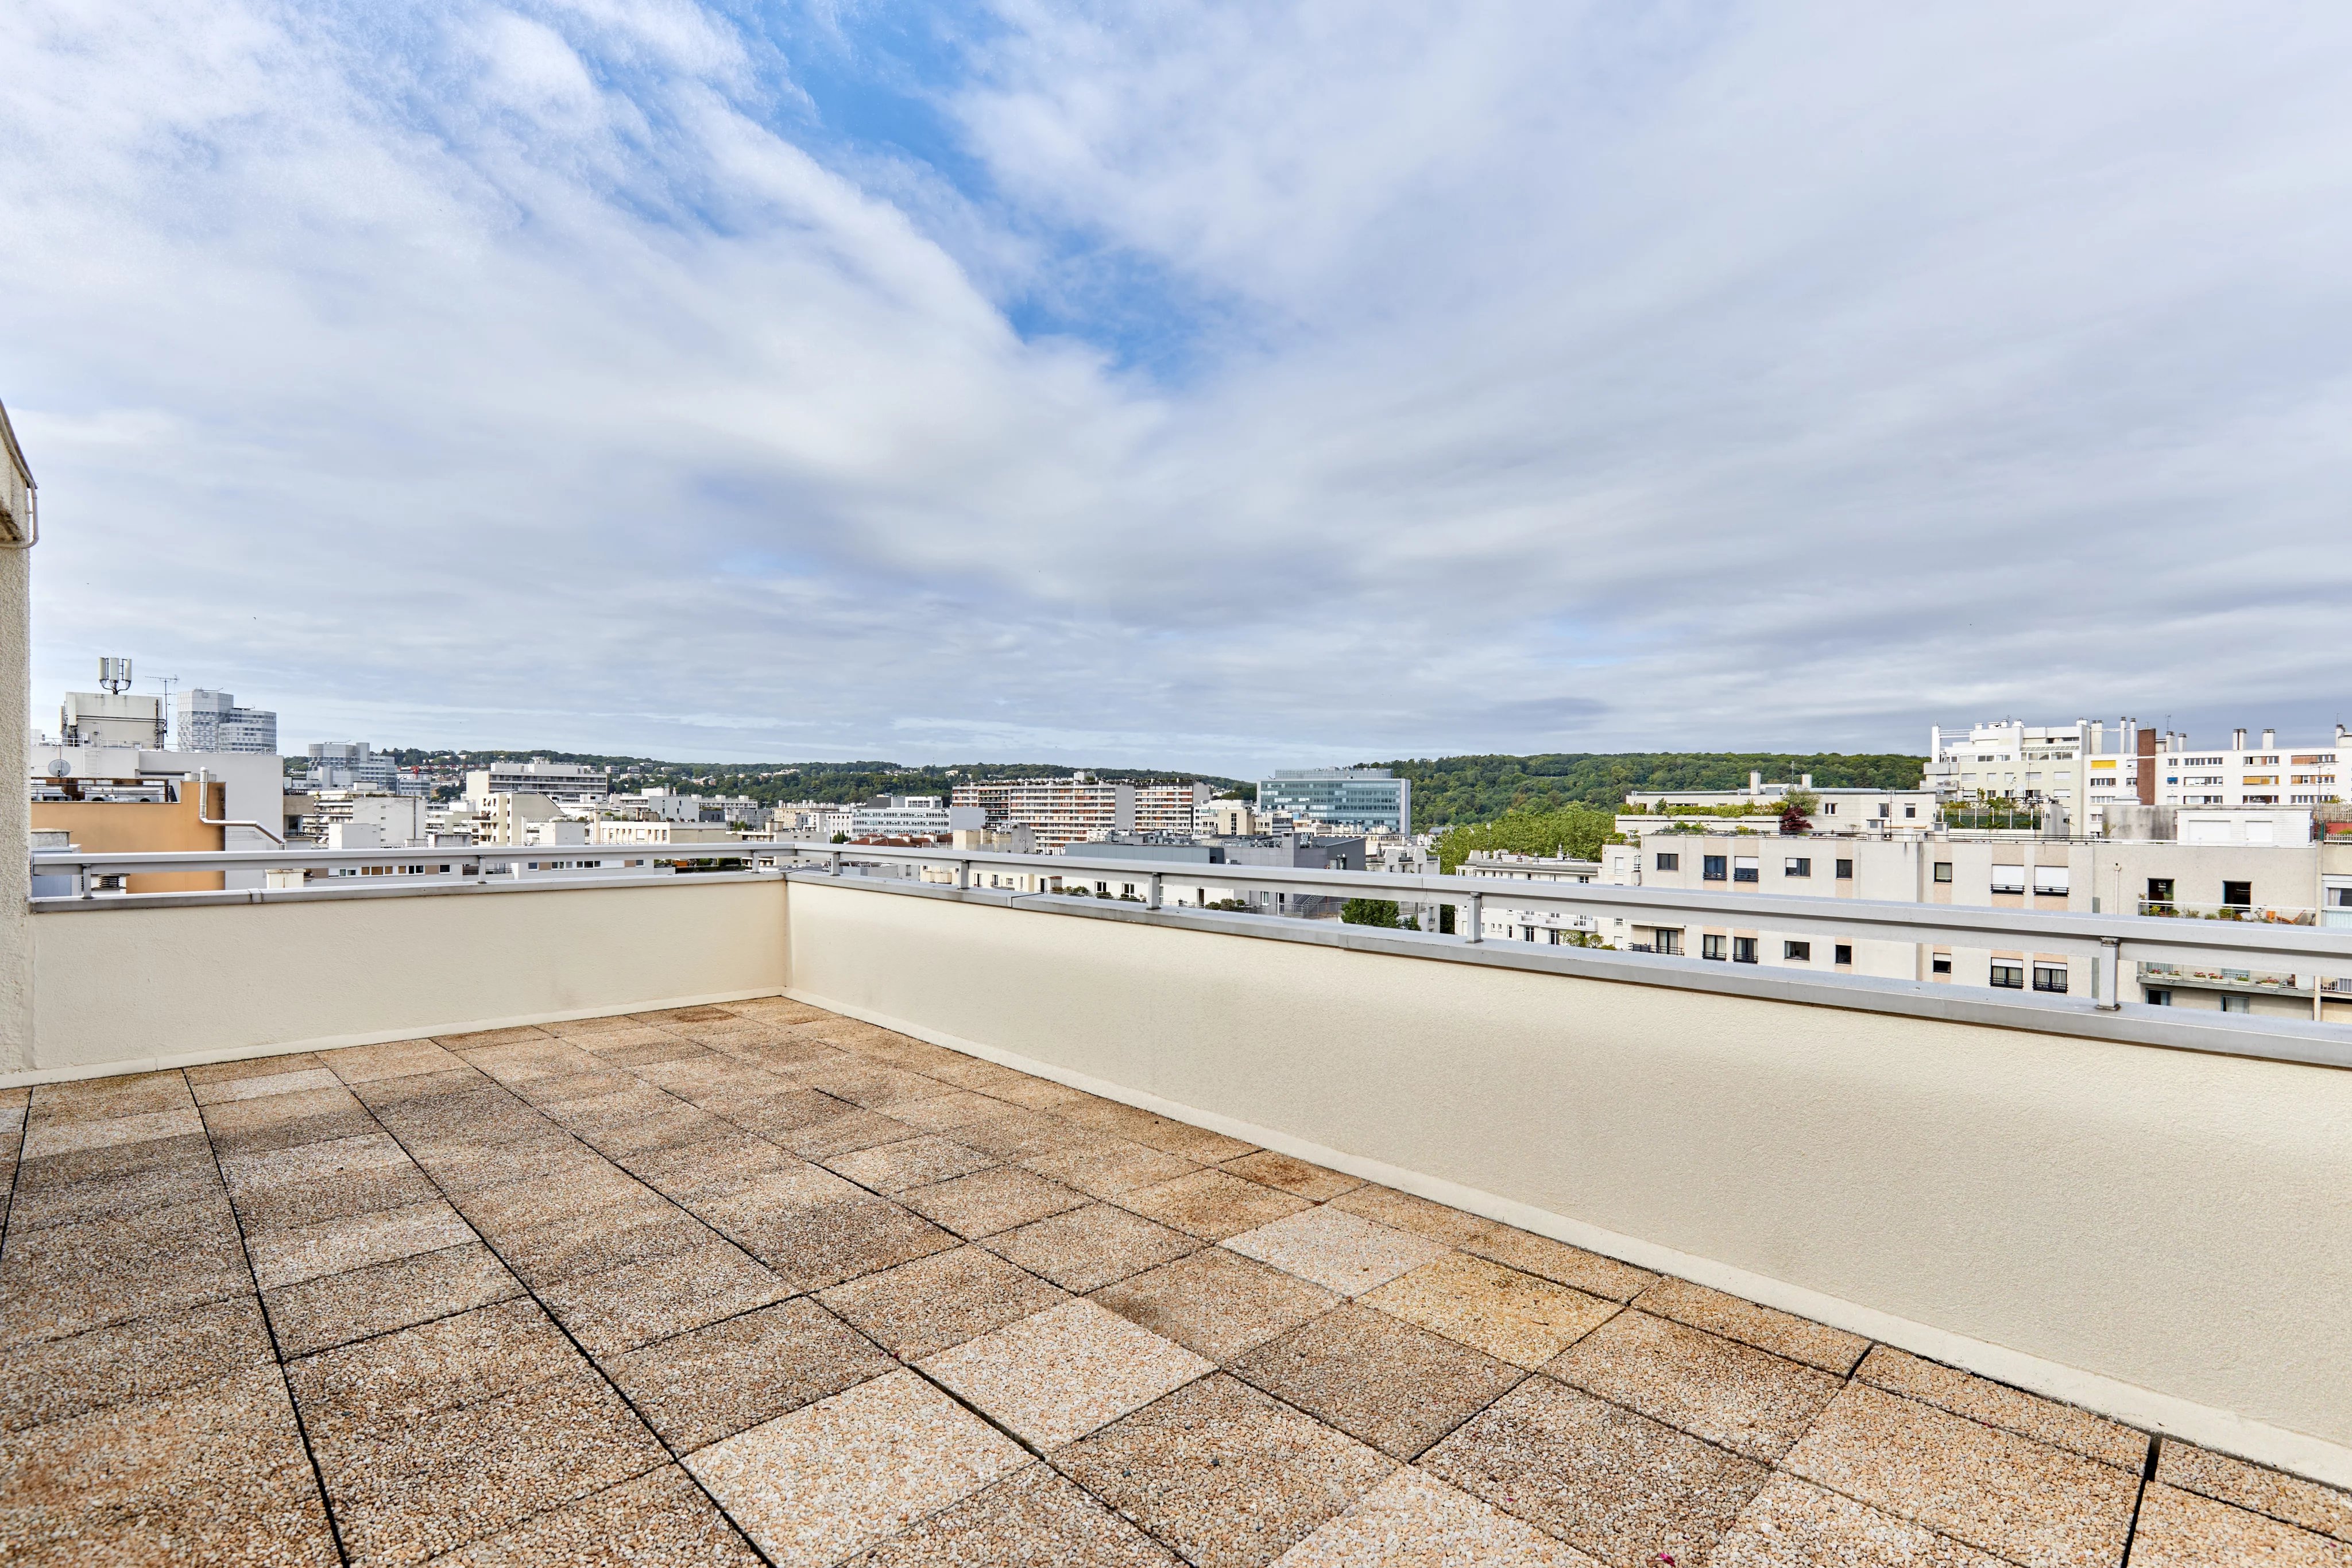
[
  {"x": 1711, "y": 869},
  {"x": 1667, "y": 942},
  {"x": 1911, "y": 811},
  {"x": 1943, "y": 871},
  {"x": 2009, "y": 976},
  {"x": 1743, "y": 868},
  {"x": 1796, "y": 865},
  {"x": 2159, "y": 889},
  {"x": 1830, "y": 810},
  {"x": 1669, "y": 861},
  {"x": 1743, "y": 949},
  {"x": 1798, "y": 952},
  {"x": 1939, "y": 964},
  {"x": 2240, "y": 893},
  {"x": 2158, "y": 998},
  {"x": 1710, "y": 947},
  {"x": 2008, "y": 879},
  {"x": 2052, "y": 880},
  {"x": 1844, "y": 952},
  {"x": 2050, "y": 977},
  {"x": 2237, "y": 1003},
  {"x": 1845, "y": 870}
]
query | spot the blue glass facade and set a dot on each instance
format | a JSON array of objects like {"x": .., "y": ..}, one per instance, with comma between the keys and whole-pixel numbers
[{"x": 1367, "y": 799}]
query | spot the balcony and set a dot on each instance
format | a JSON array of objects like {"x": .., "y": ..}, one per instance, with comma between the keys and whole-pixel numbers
[{"x": 854, "y": 1218}]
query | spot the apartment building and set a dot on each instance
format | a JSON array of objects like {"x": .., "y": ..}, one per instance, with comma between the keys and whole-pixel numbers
[
  {"x": 1352, "y": 799},
  {"x": 208, "y": 720},
  {"x": 2088, "y": 765},
  {"x": 901, "y": 816},
  {"x": 2297, "y": 882},
  {"x": 570, "y": 781},
  {"x": 1838, "y": 809},
  {"x": 1552, "y": 926},
  {"x": 1056, "y": 810},
  {"x": 1172, "y": 807},
  {"x": 670, "y": 806}
]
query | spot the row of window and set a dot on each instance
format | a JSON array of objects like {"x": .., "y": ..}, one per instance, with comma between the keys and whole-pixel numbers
[
  {"x": 1744, "y": 868},
  {"x": 1742, "y": 949}
]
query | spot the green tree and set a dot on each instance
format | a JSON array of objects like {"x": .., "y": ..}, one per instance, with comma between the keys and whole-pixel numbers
[
  {"x": 1369, "y": 912},
  {"x": 1574, "y": 831}
]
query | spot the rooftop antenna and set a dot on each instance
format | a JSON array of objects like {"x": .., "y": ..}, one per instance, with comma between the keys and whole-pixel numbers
[
  {"x": 163, "y": 720},
  {"x": 114, "y": 675}
]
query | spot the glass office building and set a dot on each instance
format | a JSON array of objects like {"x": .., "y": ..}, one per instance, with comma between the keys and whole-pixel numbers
[{"x": 1365, "y": 800}]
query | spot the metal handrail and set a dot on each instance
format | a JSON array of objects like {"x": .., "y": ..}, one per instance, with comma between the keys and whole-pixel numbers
[{"x": 2108, "y": 940}]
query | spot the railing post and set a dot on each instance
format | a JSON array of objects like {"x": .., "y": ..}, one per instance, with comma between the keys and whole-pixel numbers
[
  {"x": 963, "y": 875},
  {"x": 2106, "y": 974},
  {"x": 1152, "y": 899},
  {"x": 836, "y": 862},
  {"x": 1474, "y": 911}
]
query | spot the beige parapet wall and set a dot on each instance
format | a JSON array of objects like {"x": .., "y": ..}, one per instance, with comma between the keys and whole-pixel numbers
[
  {"x": 2165, "y": 1235},
  {"x": 119, "y": 988}
]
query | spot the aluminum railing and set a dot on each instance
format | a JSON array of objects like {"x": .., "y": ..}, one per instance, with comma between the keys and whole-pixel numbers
[{"x": 2105, "y": 941}]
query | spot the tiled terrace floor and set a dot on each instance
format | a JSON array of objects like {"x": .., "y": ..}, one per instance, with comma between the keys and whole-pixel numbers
[{"x": 757, "y": 1282}]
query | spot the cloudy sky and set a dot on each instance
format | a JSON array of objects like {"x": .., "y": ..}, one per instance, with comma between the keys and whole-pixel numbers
[{"x": 1224, "y": 385}]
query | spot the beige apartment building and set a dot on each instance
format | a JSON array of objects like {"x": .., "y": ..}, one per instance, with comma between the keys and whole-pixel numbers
[{"x": 2301, "y": 883}]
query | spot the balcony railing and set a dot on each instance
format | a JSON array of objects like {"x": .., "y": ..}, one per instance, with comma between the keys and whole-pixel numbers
[{"x": 2258, "y": 913}]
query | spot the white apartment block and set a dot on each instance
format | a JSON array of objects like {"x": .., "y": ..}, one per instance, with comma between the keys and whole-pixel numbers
[
  {"x": 668, "y": 805},
  {"x": 2089, "y": 765},
  {"x": 1056, "y": 810},
  {"x": 1839, "y": 809},
  {"x": 899, "y": 816},
  {"x": 350, "y": 765},
  {"x": 628, "y": 833},
  {"x": 1552, "y": 926},
  {"x": 2295, "y": 881},
  {"x": 211, "y": 721},
  {"x": 556, "y": 780}
]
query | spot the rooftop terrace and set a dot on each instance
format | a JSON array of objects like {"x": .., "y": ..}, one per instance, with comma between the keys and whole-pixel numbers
[{"x": 758, "y": 1282}]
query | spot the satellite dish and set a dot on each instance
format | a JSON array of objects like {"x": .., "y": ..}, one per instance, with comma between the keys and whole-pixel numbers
[{"x": 59, "y": 767}]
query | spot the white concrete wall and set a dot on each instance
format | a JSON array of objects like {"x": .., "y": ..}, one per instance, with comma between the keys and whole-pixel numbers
[
  {"x": 123, "y": 987},
  {"x": 2165, "y": 1235},
  {"x": 16, "y": 812}
]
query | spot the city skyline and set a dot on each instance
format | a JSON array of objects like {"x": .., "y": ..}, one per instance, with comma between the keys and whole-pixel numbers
[{"x": 1238, "y": 391}]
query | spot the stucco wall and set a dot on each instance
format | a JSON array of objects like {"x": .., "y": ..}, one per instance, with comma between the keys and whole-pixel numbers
[
  {"x": 15, "y": 843},
  {"x": 127, "y": 986},
  {"x": 2163, "y": 1234}
]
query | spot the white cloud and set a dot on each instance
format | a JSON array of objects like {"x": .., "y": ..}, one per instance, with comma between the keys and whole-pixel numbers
[{"x": 1561, "y": 378}]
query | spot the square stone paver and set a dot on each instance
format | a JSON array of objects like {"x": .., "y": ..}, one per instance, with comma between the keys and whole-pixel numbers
[
  {"x": 1748, "y": 1401},
  {"x": 989, "y": 1201},
  {"x": 932, "y": 1303},
  {"x": 1211, "y": 1204},
  {"x": 339, "y": 1308},
  {"x": 1613, "y": 1483},
  {"x": 1217, "y": 1302},
  {"x": 1337, "y": 1250},
  {"x": 143, "y": 1359},
  {"x": 910, "y": 1163},
  {"x": 211, "y": 1473},
  {"x": 714, "y": 1382},
  {"x": 1032, "y": 1517},
  {"x": 2281, "y": 1496},
  {"x": 1513, "y": 1316},
  {"x": 2027, "y": 1415},
  {"x": 217, "y": 1091},
  {"x": 1065, "y": 1372},
  {"x": 1089, "y": 1248},
  {"x": 1560, "y": 1262},
  {"x": 629, "y": 1306},
  {"x": 1312, "y": 1183},
  {"x": 1395, "y": 1386},
  {"x": 1229, "y": 1476},
  {"x": 289, "y": 1257},
  {"x": 2181, "y": 1530},
  {"x": 1795, "y": 1524},
  {"x": 835, "y": 1478},
  {"x": 408, "y": 1488},
  {"x": 661, "y": 1516},
  {"x": 1416, "y": 1520},
  {"x": 1402, "y": 1211},
  {"x": 1995, "y": 1490},
  {"x": 1798, "y": 1339},
  {"x": 812, "y": 1247},
  {"x": 1106, "y": 1166}
]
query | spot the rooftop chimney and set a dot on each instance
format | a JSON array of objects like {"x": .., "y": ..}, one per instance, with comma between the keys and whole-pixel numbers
[
  {"x": 2270, "y": 739},
  {"x": 2146, "y": 746},
  {"x": 2237, "y": 738}
]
